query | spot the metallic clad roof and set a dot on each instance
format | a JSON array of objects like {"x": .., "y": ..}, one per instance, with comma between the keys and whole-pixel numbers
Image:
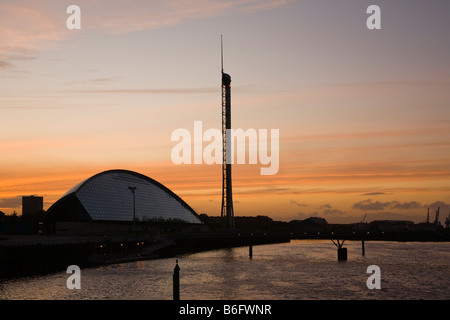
[{"x": 106, "y": 197}]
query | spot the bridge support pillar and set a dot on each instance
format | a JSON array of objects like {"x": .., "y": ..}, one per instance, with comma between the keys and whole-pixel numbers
[{"x": 342, "y": 252}]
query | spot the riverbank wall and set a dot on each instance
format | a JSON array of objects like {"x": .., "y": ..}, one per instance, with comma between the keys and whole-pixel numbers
[{"x": 27, "y": 256}]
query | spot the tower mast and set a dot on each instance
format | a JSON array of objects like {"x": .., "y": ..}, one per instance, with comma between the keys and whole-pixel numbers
[{"x": 227, "y": 194}]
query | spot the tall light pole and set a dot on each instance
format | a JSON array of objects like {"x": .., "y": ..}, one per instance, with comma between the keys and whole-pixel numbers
[{"x": 133, "y": 190}]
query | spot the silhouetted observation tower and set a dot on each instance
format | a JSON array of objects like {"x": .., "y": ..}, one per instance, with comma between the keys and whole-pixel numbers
[{"x": 227, "y": 193}]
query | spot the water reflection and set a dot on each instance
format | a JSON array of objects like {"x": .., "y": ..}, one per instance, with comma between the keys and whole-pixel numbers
[{"x": 290, "y": 271}]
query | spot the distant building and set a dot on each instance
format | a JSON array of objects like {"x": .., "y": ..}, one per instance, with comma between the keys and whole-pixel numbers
[
  {"x": 32, "y": 205},
  {"x": 426, "y": 227},
  {"x": 361, "y": 226},
  {"x": 392, "y": 225},
  {"x": 312, "y": 224}
]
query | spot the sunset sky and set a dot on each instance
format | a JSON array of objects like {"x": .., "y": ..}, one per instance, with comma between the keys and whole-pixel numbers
[{"x": 363, "y": 115}]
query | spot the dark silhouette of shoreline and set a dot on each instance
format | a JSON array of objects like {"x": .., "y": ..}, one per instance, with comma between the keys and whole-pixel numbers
[{"x": 38, "y": 253}]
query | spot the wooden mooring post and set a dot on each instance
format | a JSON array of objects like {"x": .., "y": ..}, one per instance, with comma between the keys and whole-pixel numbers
[{"x": 176, "y": 282}]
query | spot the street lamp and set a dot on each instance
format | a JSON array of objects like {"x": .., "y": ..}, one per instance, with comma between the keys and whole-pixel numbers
[{"x": 133, "y": 189}]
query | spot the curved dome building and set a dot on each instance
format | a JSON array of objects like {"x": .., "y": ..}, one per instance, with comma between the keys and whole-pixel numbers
[{"x": 118, "y": 196}]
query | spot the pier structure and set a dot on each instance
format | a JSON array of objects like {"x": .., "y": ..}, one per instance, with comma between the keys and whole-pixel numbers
[{"x": 342, "y": 252}]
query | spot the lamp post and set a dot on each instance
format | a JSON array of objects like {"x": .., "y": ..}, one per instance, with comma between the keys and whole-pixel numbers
[{"x": 133, "y": 189}]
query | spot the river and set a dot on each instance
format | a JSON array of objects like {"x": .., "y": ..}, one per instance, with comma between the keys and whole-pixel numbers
[{"x": 299, "y": 270}]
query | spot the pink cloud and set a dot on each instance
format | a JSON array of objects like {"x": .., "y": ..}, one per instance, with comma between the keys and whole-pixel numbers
[
  {"x": 36, "y": 26},
  {"x": 123, "y": 17},
  {"x": 25, "y": 26}
]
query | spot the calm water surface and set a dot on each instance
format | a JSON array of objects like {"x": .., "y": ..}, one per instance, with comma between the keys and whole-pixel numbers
[{"x": 299, "y": 270}]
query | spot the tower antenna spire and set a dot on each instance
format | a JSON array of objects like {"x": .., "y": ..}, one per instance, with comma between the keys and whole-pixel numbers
[{"x": 221, "y": 51}]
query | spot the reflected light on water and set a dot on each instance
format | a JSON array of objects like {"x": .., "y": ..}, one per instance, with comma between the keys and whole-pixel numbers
[{"x": 302, "y": 269}]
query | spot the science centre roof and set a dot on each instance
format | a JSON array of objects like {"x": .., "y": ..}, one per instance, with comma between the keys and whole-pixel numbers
[{"x": 120, "y": 195}]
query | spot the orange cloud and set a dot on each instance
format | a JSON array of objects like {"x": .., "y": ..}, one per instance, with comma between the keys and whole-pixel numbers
[
  {"x": 368, "y": 134},
  {"x": 200, "y": 185}
]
